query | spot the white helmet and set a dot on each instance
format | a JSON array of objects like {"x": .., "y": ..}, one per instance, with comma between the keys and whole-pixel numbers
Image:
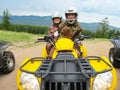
[
  {"x": 56, "y": 15},
  {"x": 69, "y": 11}
]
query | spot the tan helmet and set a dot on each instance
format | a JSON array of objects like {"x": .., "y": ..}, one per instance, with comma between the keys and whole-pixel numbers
[{"x": 69, "y": 11}]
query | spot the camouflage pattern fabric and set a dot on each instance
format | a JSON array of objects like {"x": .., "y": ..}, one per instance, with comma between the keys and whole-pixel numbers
[
  {"x": 52, "y": 29},
  {"x": 69, "y": 31}
]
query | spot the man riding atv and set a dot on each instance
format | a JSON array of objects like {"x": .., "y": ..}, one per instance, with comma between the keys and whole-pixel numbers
[{"x": 71, "y": 28}]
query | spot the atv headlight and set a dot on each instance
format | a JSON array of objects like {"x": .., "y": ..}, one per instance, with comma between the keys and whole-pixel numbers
[
  {"x": 29, "y": 82},
  {"x": 103, "y": 81}
]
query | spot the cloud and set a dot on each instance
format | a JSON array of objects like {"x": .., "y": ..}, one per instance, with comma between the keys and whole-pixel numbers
[
  {"x": 89, "y": 10},
  {"x": 20, "y": 13},
  {"x": 94, "y": 17},
  {"x": 109, "y": 7}
]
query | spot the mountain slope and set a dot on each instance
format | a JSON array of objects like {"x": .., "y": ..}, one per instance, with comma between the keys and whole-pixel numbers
[{"x": 46, "y": 21}]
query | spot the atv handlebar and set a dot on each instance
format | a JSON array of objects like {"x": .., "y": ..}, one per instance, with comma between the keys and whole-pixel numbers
[
  {"x": 82, "y": 37},
  {"x": 50, "y": 38},
  {"x": 44, "y": 39},
  {"x": 40, "y": 40}
]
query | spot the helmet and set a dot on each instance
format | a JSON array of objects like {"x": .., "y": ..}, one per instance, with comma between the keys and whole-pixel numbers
[
  {"x": 71, "y": 10},
  {"x": 56, "y": 15}
]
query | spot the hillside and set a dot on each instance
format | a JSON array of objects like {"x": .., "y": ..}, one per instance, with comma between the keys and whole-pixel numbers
[{"x": 46, "y": 21}]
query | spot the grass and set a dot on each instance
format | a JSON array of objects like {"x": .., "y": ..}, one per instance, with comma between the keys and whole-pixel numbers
[
  {"x": 29, "y": 39},
  {"x": 17, "y": 36},
  {"x": 21, "y": 37}
]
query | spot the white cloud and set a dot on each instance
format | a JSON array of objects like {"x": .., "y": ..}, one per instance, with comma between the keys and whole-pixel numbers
[
  {"x": 89, "y": 10},
  {"x": 94, "y": 17},
  {"x": 110, "y": 7},
  {"x": 115, "y": 20},
  {"x": 20, "y": 13}
]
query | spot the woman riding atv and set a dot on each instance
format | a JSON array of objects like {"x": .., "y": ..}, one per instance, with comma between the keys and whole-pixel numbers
[{"x": 53, "y": 31}]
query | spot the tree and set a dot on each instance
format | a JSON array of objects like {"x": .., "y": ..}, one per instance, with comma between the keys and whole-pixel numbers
[
  {"x": 98, "y": 33},
  {"x": 117, "y": 33},
  {"x": 87, "y": 33},
  {"x": 111, "y": 33},
  {"x": 104, "y": 27},
  {"x": 5, "y": 20}
]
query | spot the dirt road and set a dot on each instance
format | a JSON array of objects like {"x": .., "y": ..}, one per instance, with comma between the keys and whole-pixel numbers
[{"x": 8, "y": 81}]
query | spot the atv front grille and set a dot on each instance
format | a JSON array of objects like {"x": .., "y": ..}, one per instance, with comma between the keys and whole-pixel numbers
[
  {"x": 65, "y": 74},
  {"x": 65, "y": 86}
]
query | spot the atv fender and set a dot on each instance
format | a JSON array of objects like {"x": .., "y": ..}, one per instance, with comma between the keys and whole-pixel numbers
[
  {"x": 29, "y": 65},
  {"x": 100, "y": 66}
]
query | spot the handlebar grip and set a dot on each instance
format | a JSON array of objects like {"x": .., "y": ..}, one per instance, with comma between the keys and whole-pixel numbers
[{"x": 40, "y": 40}]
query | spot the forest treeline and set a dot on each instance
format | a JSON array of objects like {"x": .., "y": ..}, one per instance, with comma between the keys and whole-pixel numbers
[{"x": 102, "y": 32}]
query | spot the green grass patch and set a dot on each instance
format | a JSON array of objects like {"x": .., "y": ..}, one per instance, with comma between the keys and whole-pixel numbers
[{"x": 17, "y": 36}]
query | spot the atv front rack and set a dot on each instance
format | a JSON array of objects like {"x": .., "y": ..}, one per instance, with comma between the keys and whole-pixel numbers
[
  {"x": 98, "y": 59},
  {"x": 48, "y": 67},
  {"x": 32, "y": 60},
  {"x": 82, "y": 65}
]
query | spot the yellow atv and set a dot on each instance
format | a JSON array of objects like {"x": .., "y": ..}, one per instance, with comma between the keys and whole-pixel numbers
[{"x": 65, "y": 71}]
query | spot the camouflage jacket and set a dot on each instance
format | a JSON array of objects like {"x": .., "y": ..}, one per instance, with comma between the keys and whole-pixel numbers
[
  {"x": 69, "y": 31},
  {"x": 52, "y": 29}
]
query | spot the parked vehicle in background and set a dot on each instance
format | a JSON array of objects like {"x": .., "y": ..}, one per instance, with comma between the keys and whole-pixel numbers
[
  {"x": 114, "y": 52},
  {"x": 7, "y": 59}
]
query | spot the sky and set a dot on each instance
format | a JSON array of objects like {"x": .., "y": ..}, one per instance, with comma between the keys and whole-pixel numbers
[{"x": 88, "y": 10}]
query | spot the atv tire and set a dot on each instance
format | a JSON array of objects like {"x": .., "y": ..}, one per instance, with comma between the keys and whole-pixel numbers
[
  {"x": 9, "y": 62},
  {"x": 112, "y": 58}
]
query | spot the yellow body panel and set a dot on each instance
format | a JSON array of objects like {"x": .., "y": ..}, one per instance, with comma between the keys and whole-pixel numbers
[
  {"x": 66, "y": 44},
  {"x": 84, "y": 51},
  {"x": 100, "y": 66},
  {"x": 44, "y": 52},
  {"x": 31, "y": 66}
]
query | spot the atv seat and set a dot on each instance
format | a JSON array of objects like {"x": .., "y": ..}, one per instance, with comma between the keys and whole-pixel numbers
[{"x": 65, "y": 55}]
